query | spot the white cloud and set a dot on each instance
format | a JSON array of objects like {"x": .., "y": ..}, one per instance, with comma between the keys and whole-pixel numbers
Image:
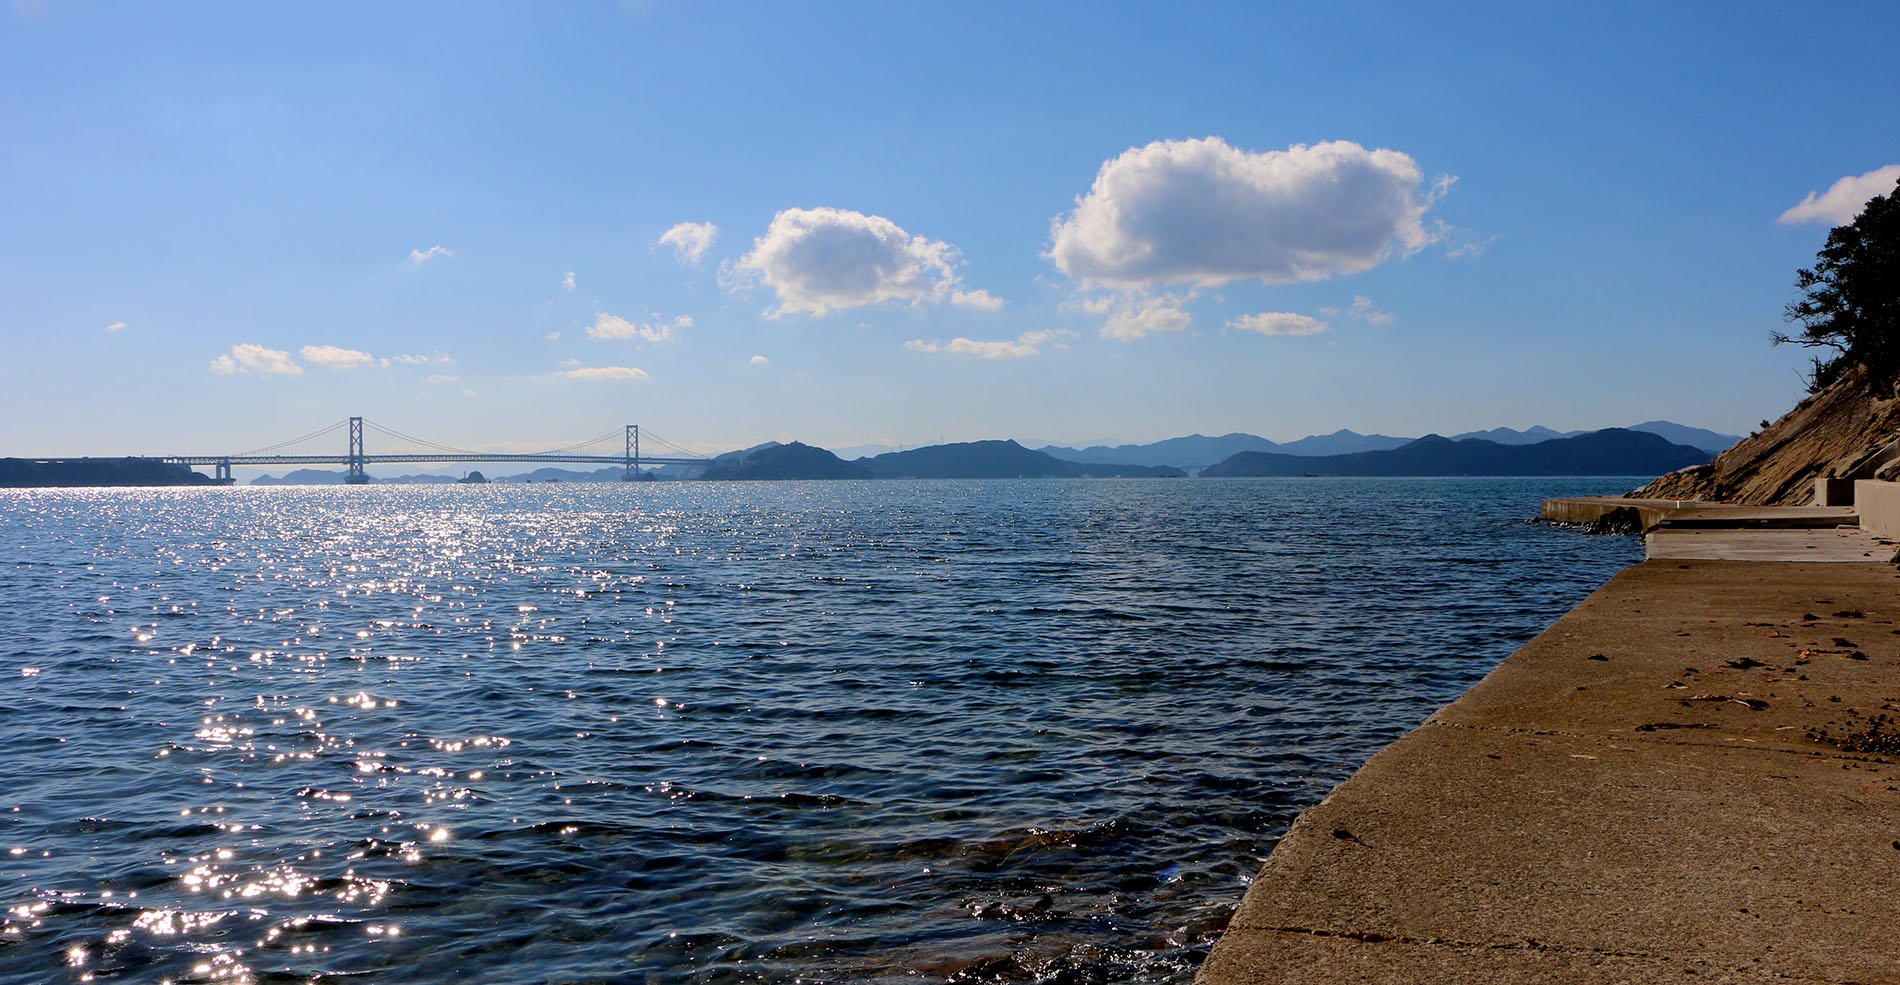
[
  {"x": 1360, "y": 310},
  {"x": 418, "y": 256},
  {"x": 821, "y": 260},
  {"x": 758, "y": 360},
  {"x": 417, "y": 359},
  {"x": 603, "y": 373},
  {"x": 1022, "y": 345},
  {"x": 552, "y": 336},
  {"x": 247, "y": 357},
  {"x": 336, "y": 357},
  {"x": 979, "y": 298},
  {"x": 567, "y": 283},
  {"x": 1134, "y": 315},
  {"x": 608, "y": 326},
  {"x": 1280, "y": 323},
  {"x": 690, "y": 241},
  {"x": 441, "y": 378},
  {"x": 117, "y": 326},
  {"x": 1844, "y": 199},
  {"x": 1203, "y": 212}
]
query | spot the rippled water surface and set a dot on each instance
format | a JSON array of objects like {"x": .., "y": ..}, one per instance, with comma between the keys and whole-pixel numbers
[{"x": 714, "y": 732}]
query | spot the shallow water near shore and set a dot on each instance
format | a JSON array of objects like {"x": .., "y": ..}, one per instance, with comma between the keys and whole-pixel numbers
[{"x": 1036, "y": 731}]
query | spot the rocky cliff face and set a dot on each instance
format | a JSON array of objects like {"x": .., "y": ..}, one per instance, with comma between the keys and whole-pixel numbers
[{"x": 1840, "y": 431}]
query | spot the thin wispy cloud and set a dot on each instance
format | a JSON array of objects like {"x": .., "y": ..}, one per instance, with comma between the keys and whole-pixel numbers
[
  {"x": 1026, "y": 344},
  {"x": 690, "y": 241},
  {"x": 336, "y": 357},
  {"x": 419, "y": 256},
  {"x": 437, "y": 358},
  {"x": 822, "y": 260},
  {"x": 758, "y": 360},
  {"x": 1279, "y": 323},
  {"x": 249, "y": 357},
  {"x": 603, "y": 373},
  {"x": 441, "y": 378},
  {"x": 1130, "y": 315},
  {"x": 1361, "y": 309},
  {"x": 567, "y": 283},
  {"x": 117, "y": 326},
  {"x": 610, "y": 326},
  {"x": 1844, "y": 199}
]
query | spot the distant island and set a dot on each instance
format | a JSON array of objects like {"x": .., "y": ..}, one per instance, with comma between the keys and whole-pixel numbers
[
  {"x": 1649, "y": 448},
  {"x": 998, "y": 460},
  {"x": 1611, "y": 451},
  {"x": 21, "y": 473},
  {"x": 1198, "y": 451}
]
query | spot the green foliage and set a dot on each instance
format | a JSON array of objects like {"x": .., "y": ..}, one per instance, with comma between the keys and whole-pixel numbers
[{"x": 1850, "y": 298}]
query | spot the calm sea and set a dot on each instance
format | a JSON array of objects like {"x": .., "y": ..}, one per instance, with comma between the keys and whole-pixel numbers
[{"x": 1037, "y": 731}]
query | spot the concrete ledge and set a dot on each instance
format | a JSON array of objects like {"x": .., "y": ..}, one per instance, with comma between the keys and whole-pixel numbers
[
  {"x": 1590, "y": 509},
  {"x": 1879, "y": 506},
  {"x": 1634, "y": 796}
]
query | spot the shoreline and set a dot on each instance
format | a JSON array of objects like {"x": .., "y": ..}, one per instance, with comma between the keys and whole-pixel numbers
[{"x": 1642, "y": 792}]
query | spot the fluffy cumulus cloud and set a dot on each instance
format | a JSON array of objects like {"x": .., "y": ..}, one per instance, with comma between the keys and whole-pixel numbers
[
  {"x": 420, "y": 256},
  {"x": 609, "y": 326},
  {"x": 1026, "y": 344},
  {"x": 337, "y": 357},
  {"x": 567, "y": 283},
  {"x": 821, "y": 260},
  {"x": 1279, "y": 323},
  {"x": 759, "y": 361},
  {"x": 603, "y": 373},
  {"x": 690, "y": 241},
  {"x": 248, "y": 357},
  {"x": 1843, "y": 200},
  {"x": 1203, "y": 212}
]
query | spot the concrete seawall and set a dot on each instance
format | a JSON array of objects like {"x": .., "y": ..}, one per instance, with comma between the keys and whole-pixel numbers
[{"x": 1688, "y": 778}]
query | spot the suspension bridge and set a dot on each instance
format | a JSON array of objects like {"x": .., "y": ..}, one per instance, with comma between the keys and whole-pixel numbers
[{"x": 620, "y": 446}]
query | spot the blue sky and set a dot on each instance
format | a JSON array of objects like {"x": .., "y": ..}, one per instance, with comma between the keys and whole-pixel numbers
[{"x": 223, "y": 225}]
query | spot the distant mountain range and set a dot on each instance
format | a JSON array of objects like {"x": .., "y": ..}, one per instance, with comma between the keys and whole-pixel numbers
[
  {"x": 1320, "y": 454},
  {"x": 1611, "y": 451},
  {"x": 1196, "y": 451},
  {"x": 996, "y": 460}
]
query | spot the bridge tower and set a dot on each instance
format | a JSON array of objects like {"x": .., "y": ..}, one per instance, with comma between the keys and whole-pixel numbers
[
  {"x": 224, "y": 472},
  {"x": 633, "y": 454},
  {"x": 356, "y": 476}
]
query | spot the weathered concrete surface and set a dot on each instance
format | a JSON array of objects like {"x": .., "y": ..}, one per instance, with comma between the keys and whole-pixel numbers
[
  {"x": 1761, "y": 517},
  {"x": 1632, "y": 797},
  {"x": 1836, "y": 544},
  {"x": 1590, "y": 509},
  {"x": 1690, "y": 513},
  {"x": 1879, "y": 503}
]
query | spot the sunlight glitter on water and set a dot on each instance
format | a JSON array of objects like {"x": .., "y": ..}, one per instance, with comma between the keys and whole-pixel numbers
[{"x": 981, "y": 731}]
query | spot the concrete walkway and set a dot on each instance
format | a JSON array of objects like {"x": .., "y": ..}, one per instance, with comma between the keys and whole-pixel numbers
[
  {"x": 1640, "y": 794},
  {"x": 1669, "y": 542}
]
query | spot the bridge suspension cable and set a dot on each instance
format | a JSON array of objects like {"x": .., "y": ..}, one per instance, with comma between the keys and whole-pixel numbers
[
  {"x": 393, "y": 433},
  {"x": 650, "y": 436},
  {"x": 318, "y": 433}
]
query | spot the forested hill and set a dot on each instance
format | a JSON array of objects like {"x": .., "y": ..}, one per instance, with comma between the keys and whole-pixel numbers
[
  {"x": 1611, "y": 451},
  {"x": 994, "y": 460},
  {"x": 23, "y": 472}
]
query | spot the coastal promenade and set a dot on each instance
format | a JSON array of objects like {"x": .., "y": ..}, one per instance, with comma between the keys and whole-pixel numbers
[{"x": 1690, "y": 777}]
